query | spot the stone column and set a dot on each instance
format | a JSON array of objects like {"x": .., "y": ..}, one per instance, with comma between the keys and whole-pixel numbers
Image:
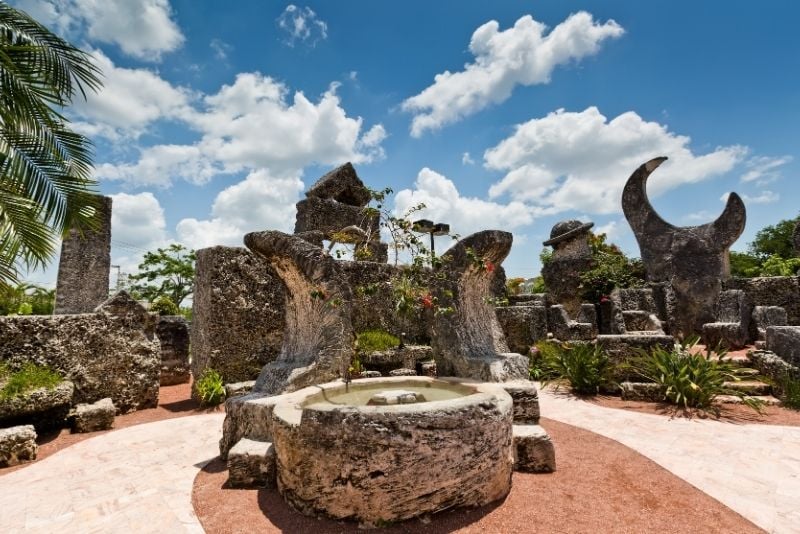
[{"x": 83, "y": 269}]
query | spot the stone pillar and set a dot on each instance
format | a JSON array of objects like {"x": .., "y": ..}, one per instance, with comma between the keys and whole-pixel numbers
[{"x": 83, "y": 269}]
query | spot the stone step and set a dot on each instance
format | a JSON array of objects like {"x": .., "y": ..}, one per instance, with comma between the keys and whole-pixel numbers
[
  {"x": 533, "y": 450},
  {"x": 769, "y": 400},
  {"x": 746, "y": 371},
  {"x": 251, "y": 464},
  {"x": 526, "y": 401},
  {"x": 750, "y": 387}
]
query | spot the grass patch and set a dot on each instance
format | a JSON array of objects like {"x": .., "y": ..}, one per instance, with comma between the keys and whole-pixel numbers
[
  {"x": 209, "y": 388},
  {"x": 30, "y": 377},
  {"x": 375, "y": 341}
]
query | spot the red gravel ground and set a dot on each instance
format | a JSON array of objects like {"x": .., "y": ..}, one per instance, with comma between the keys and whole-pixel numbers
[
  {"x": 729, "y": 413},
  {"x": 173, "y": 401},
  {"x": 599, "y": 486}
]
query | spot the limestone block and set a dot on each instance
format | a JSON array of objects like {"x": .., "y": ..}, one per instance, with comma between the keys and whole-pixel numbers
[
  {"x": 173, "y": 334},
  {"x": 525, "y": 397},
  {"x": 343, "y": 185},
  {"x": 370, "y": 374},
  {"x": 44, "y": 407},
  {"x": 764, "y": 316},
  {"x": 251, "y": 464},
  {"x": 771, "y": 365},
  {"x": 94, "y": 417},
  {"x": 783, "y": 291},
  {"x": 693, "y": 261},
  {"x": 428, "y": 369},
  {"x": 566, "y": 329},
  {"x": 248, "y": 416},
  {"x": 729, "y": 335},
  {"x": 533, "y": 450},
  {"x": 645, "y": 391},
  {"x": 403, "y": 372},
  {"x": 17, "y": 445},
  {"x": 238, "y": 389},
  {"x": 329, "y": 216},
  {"x": 523, "y": 326},
  {"x": 785, "y": 342},
  {"x": 389, "y": 360}
]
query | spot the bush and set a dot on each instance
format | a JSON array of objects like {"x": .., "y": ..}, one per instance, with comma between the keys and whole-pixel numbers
[
  {"x": 790, "y": 397},
  {"x": 30, "y": 377},
  {"x": 375, "y": 341},
  {"x": 692, "y": 379},
  {"x": 209, "y": 388},
  {"x": 584, "y": 365},
  {"x": 164, "y": 306}
]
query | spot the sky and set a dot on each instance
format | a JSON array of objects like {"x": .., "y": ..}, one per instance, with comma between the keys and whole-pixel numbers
[{"x": 512, "y": 115}]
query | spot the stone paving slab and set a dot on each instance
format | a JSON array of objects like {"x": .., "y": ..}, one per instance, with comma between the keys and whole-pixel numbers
[
  {"x": 137, "y": 479},
  {"x": 753, "y": 469}
]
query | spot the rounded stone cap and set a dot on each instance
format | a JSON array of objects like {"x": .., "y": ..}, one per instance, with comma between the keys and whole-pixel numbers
[{"x": 564, "y": 230}]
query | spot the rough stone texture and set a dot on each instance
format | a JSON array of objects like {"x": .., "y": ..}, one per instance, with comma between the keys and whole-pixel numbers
[
  {"x": 238, "y": 314},
  {"x": 94, "y": 417},
  {"x": 531, "y": 299},
  {"x": 469, "y": 342},
  {"x": 732, "y": 327},
  {"x": 44, "y": 408},
  {"x": 771, "y": 365},
  {"x": 318, "y": 339},
  {"x": 533, "y": 450},
  {"x": 645, "y": 391},
  {"x": 380, "y": 472},
  {"x": 403, "y": 372},
  {"x": 251, "y": 464},
  {"x": 525, "y": 397},
  {"x": 84, "y": 265},
  {"x": 785, "y": 342},
  {"x": 428, "y": 369},
  {"x": 692, "y": 260},
  {"x": 238, "y": 389},
  {"x": 111, "y": 353},
  {"x": 173, "y": 334},
  {"x": 571, "y": 257},
  {"x": 566, "y": 329},
  {"x": 523, "y": 326},
  {"x": 783, "y": 291},
  {"x": 328, "y": 216},
  {"x": 248, "y": 416},
  {"x": 369, "y": 374},
  {"x": 17, "y": 445},
  {"x": 389, "y": 360},
  {"x": 765, "y": 316},
  {"x": 343, "y": 185}
]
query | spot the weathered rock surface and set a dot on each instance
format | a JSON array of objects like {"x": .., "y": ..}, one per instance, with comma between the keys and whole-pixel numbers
[
  {"x": 319, "y": 335},
  {"x": 84, "y": 265},
  {"x": 251, "y": 464},
  {"x": 173, "y": 334},
  {"x": 403, "y": 372},
  {"x": 238, "y": 314},
  {"x": 238, "y": 389},
  {"x": 766, "y": 316},
  {"x": 523, "y": 326},
  {"x": 525, "y": 398},
  {"x": 785, "y": 342},
  {"x": 692, "y": 260},
  {"x": 783, "y": 291},
  {"x": 17, "y": 445},
  {"x": 571, "y": 258},
  {"x": 94, "y": 417},
  {"x": 566, "y": 329},
  {"x": 44, "y": 408},
  {"x": 732, "y": 327},
  {"x": 469, "y": 342},
  {"x": 533, "y": 450},
  {"x": 395, "y": 462},
  {"x": 646, "y": 391},
  {"x": 329, "y": 216},
  {"x": 386, "y": 361},
  {"x": 113, "y": 352},
  {"x": 247, "y": 416}
]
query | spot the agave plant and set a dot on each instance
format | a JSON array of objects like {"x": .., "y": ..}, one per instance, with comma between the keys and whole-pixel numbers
[{"x": 584, "y": 365}]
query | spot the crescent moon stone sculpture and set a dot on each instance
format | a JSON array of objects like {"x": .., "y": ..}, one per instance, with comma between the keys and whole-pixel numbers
[{"x": 692, "y": 261}]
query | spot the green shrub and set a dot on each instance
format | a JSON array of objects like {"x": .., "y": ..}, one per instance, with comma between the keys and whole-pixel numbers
[
  {"x": 164, "y": 306},
  {"x": 692, "y": 379},
  {"x": 209, "y": 388},
  {"x": 375, "y": 340},
  {"x": 790, "y": 397},
  {"x": 30, "y": 377},
  {"x": 584, "y": 365}
]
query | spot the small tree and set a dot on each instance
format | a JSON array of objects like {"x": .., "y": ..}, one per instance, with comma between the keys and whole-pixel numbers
[
  {"x": 167, "y": 272},
  {"x": 611, "y": 269}
]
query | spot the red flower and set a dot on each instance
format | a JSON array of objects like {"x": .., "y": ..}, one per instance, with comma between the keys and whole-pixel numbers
[
  {"x": 604, "y": 299},
  {"x": 427, "y": 301},
  {"x": 489, "y": 266}
]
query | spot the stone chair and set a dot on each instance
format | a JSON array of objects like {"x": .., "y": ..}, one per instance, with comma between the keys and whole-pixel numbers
[
  {"x": 565, "y": 328},
  {"x": 763, "y": 317},
  {"x": 733, "y": 311}
]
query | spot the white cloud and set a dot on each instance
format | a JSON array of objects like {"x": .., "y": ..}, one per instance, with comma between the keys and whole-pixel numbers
[
  {"x": 611, "y": 229},
  {"x": 138, "y": 221},
  {"x": 161, "y": 164},
  {"x": 703, "y": 215},
  {"x": 465, "y": 215},
  {"x": 466, "y": 159},
  {"x": 521, "y": 55},
  {"x": 581, "y": 161},
  {"x": 129, "y": 102},
  {"x": 765, "y": 197},
  {"x": 260, "y": 202},
  {"x": 301, "y": 24},
  {"x": 221, "y": 48},
  {"x": 764, "y": 169},
  {"x": 143, "y": 29}
]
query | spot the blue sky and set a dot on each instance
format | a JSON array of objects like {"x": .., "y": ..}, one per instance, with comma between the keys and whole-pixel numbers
[{"x": 509, "y": 115}]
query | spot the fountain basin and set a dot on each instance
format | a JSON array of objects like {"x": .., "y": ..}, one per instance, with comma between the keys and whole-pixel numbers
[{"x": 339, "y": 457}]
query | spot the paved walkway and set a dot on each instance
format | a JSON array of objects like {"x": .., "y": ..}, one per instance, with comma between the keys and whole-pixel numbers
[
  {"x": 133, "y": 480},
  {"x": 139, "y": 479},
  {"x": 753, "y": 469}
]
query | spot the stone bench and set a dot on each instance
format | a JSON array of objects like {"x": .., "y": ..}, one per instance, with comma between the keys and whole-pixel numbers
[
  {"x": 533, "y": 450},
  {"x": 251, "y": 464},
  {"x": 93, "y": 417},
  {"x": 17, "y": 444}
]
